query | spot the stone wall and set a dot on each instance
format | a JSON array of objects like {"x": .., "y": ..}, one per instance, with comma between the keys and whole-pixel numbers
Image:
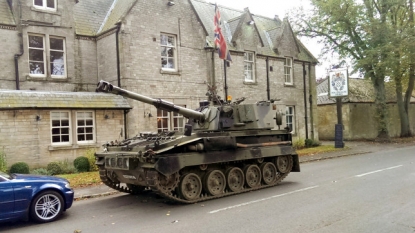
[
  {"x": 24, "y": 138},
  {"x": 359, "y": 120}
]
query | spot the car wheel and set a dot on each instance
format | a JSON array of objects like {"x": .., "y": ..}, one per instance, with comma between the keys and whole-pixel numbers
[{"x": 46, "y": 206}]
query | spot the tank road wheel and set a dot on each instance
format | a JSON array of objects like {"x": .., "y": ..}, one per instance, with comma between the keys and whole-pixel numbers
[
  {"x": 269, "y": 173},
  {"x": 168, "y": 183},
  {"x": 235, "y": 179},
  {"x": 190, "y": 186},
  {"x": 214, "y": 182},
  {"x": 284, "y": 163},
  {"x": 252, "y": 176}
]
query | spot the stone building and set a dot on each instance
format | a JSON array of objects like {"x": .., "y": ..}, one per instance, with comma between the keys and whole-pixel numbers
[{"x": 159, "y": 48}]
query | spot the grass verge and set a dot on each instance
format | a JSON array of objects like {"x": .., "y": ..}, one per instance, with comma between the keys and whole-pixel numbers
[
  {"x": 318, "y": 150},
  {"x": 83, "y": 179}
]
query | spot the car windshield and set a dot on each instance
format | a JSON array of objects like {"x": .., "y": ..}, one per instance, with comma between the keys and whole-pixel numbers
[{"x": 5, "y": 175}]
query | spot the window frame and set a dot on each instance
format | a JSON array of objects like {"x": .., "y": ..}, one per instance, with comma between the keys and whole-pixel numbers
[
  {"x": 248, "y": 62},
  {"x": 77, "y": 127},
  {"x": 47, "y": 61},
  {"x": 45, "y": 5},
  {"x": 174, "y": 48},
  {"x": 171, "y": 117},
  {"x": 290, "y": 117},
  {"x": 60, "y": 143},
  {"x": 44, "y": 61},
  {"x": 288, "y": 75}
]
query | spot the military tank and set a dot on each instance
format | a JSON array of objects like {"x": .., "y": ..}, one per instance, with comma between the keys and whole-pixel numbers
[{"x": 226, "y": 148}]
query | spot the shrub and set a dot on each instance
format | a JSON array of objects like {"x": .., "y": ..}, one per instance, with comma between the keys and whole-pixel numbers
[
  {"x": 53, "y": 168},
  {"x": 90, "y": 154},
  {"x": 311, "y": 143},
  {"x": 3, "y": 162},
  {"x": 41, "y": 171},
  {"x": 81, "y": 164},
  {"x": 299, "y": 144},
  {"x": 67, "y": 167},
  {"x": 20, "y": 167}
]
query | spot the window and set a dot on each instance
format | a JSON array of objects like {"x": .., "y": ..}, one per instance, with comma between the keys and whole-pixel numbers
[
  {"x": 290, "y": 117},
  {"x": 168, "y": 121},
  {"x": 61, "y": 127},
  {"x": 45, "y": 4},
  {"x": 288, "y": 65},
  {"x": 168, "y": 52},
  {"x": 85, "y": 126},
  {"x": 249, "y": 66},
  {"x": 62, "y": 131},
  {"x": 37, "y": 56}
]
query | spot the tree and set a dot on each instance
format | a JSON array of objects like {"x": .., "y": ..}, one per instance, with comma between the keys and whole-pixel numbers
[{"x": 362, "y": 31}]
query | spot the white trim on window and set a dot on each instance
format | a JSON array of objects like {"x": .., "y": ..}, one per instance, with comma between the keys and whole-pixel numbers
[
  {"x": 168, "y": 52},
  {"x": 170, "y": 121},
  {"x": 85, "y": 127},
  {"x": 290, "y": 117},
  {"x": 54, "y": 64},
  {"x": 45, "y": 4},
  {"x": 288, "y": 70},
  {"x": 37, "y": 55},
  {"x": 249, "y": 66},
  {"x": 61, "y": 131}
]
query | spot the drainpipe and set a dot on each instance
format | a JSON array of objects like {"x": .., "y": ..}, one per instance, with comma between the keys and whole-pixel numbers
[
  {"x": 268, "y": 91},
  {"x": 305, "y": 102},
  {"x": 117, "y": 47},
  {"x": 17, "y": 55},
  {"x": 311, "y": 101}
]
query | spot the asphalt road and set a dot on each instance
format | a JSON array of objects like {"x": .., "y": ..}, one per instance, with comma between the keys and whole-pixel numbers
[{"x": 364, "y": 193}]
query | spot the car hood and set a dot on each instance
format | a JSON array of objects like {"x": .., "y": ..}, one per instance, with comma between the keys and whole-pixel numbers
[{"x": 39, "y": 178}]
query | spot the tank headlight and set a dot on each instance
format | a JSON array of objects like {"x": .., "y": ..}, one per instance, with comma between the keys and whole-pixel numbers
[{"x": 127, "y": 163}]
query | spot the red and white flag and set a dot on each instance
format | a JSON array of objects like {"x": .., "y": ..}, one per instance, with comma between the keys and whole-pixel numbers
[{"x": 220, "y": 41}]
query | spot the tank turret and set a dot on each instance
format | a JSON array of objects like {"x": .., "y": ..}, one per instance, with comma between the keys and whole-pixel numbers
[
  {"x": 214, "y": 115},
  {"x": 227, "y": 148}
]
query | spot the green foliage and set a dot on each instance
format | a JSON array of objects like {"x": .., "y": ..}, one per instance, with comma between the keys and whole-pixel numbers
[
  {"x": 41, "y": 171},
  {"x": 81, "y": 163},
  {"x": 53, "y": 168},
  {"x": 299, "y": 144},
  {"x": 311, "y": 143},
  {"x": 90, "y": 154},
  {"x": 3, "y": 162},
  {"x": 67, "y": 167},
  {"x": 20, "y": 167}
]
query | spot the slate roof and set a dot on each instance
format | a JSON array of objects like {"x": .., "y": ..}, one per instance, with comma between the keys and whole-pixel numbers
[
  {"x": 6, "y": 16},
  {"x": 93, "y": 17},
  {"x": 360, "y": 91},
  {"x": 270, "y": 30},
  {"x": 16, "y": 99}
]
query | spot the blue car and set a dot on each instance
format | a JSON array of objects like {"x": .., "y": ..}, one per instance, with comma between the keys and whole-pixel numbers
[{"x": 42, "y": 198}]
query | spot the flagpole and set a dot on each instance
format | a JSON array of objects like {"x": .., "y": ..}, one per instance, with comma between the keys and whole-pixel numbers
[{"x": 226, "y": 85}]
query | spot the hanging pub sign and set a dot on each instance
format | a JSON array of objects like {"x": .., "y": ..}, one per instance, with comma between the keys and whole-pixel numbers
[{"x": 338, "y": 83}]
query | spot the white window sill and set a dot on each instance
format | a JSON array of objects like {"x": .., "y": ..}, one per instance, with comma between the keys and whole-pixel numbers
[
  {"x": 169, "y": 71},
  {"x": 249, "y": 82}
]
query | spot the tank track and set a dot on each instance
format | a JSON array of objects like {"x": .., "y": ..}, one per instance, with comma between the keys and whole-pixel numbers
[
  {"x": 114, "y": 185},
  {"x": 174, "y": 197},
  {"x": 205, "y": 197}
]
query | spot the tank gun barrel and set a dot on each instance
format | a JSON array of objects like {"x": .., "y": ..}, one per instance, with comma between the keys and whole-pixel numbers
[{"x": 107, "y": 87}]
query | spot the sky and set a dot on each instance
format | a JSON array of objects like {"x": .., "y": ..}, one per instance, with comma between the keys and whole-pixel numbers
[{"x": 270, "y": 8}]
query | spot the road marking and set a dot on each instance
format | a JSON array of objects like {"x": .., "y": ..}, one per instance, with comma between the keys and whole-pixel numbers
[
  {"x": 263, "y": 199},
  {"x": 381, "y": 170}
]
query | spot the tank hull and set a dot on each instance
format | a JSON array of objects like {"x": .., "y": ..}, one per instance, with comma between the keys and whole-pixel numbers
[{"x": 187, "y": 169}]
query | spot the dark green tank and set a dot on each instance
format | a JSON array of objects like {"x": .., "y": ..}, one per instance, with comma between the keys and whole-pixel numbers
[{"x": 226, "y": 148}]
